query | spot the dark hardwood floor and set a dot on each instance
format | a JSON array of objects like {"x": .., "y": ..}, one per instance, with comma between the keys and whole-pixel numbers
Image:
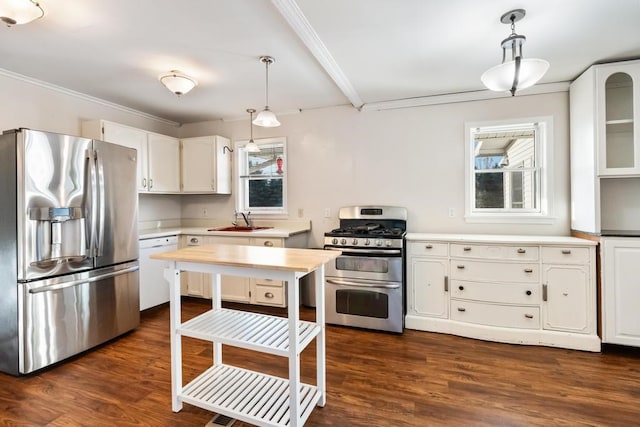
[{"x": 373, "y": 379}]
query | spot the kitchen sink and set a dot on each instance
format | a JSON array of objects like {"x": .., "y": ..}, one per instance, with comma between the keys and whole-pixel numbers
[{"x": 238, "y": 228}]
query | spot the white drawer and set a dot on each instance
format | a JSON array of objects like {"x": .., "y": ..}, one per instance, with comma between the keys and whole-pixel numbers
[
  {"x": 502, "y": 293},
  {"x": 272, "y": 243},
  {"x": 269, "y": 295},
  {"x": 565, "y": 255},
  {"x": 463, "y": 269},
  {"x": 506, "y": 316},
  {"x": 511, "y": 253},
  {"x": 428, "y": 248}
]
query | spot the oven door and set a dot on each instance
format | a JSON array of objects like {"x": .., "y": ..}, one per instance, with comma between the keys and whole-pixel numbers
[{"x": 364, "y": 304}]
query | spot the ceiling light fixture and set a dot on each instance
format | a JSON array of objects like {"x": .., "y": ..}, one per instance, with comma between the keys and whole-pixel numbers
[
  {"x": 517, "y": 73},
  {"x": 177, "y": 82},
  {"x": 251, "y": 146},
  {"x": 266, "y": 118},
  {"x": 16, "y": 12}
]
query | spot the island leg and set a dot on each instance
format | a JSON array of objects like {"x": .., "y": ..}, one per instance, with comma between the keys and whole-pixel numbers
[
  {"x": 172, "y": 274},
  {"x": 321, "y": 380},
  {"x": 293, "y": 302},
  {"x": 216, "y": 304}
]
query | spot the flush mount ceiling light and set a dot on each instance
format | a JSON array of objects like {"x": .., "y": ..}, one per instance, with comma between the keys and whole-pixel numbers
[
  {"x": 516, "y": 73},
  {"x": 266, "y": 118},
  {"x": 177, "y": 82},
  {"x": 251, "y": 146},
  {"x": 16, "y": 12}
]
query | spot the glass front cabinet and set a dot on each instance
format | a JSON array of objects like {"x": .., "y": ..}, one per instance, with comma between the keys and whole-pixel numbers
[{"x": 618, "y": 106}]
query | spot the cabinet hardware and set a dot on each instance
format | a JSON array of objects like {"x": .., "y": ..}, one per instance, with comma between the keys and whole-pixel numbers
[
  {"x": 194, "y": 240},
  {"x": 528, "y": 270},
  {"x": 150, "y": 183},
  {"x": 529, "y": 316},
  {"x": 466, "y": 249},
  {"x": 268, "y": 243},
  {"x": 522, "y": 251},
  {"x": 544, "y": 292},
  {"x": 566, "y": 251},
  {"x": 528, "y": 292},
  {"x": 461, "y": 287},
  {"x": 144, "y": 182},
  {"x": 268, "y": 294},
  {"x": 461, "y": 267},
  {"x": 446, "y": 283},
  {"x": 428, "y": 246},
  {"x": 462, "y": 309}
]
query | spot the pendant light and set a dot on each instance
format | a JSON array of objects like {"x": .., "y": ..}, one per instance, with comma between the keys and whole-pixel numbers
[
  {"x": 177, "y": 82},
  {"x": 266, "y": 118},
  {"x": 517, "y": 73},
  {"x": 16, "y": 12},
  {"x": 251, "y": 146}
]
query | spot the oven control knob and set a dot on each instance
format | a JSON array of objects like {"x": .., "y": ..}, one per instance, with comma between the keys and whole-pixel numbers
[
  {"x": 367, "y": 242},
  {"x": 388, "y": 243},
  {"x": 343, "y": 241},
  {"x": 354, "y": 242},
  {"x": 378, "y": 242},
  {"x": 334, "y": 241}
]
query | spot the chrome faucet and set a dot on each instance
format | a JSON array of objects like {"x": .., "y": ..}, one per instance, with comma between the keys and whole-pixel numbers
[{"x": 246, "y": 218}]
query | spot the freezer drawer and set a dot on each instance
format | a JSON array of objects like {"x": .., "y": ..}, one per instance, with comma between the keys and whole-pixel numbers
[{"x": 64, "y": 316}]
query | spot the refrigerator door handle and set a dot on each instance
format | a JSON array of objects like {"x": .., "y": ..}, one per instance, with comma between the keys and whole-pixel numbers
[
  {"x": 101, "y": 203},
  {"x": 73, "y": 283},
  {"x": 92, "y": 218}
]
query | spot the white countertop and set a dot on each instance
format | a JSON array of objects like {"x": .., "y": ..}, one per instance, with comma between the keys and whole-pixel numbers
[
  {"x": 500, "y": 238},
  {"x": 282, "y": 230}
]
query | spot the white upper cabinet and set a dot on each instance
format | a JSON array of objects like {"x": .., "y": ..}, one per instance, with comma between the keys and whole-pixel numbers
[
  {"x": 618, "y": 117},
  {"x": 206, "y": 165},
  {"x": 164, "y": 163}
]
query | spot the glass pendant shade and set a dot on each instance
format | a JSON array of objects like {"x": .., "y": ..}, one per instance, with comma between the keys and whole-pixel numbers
[
  {"x": 177, "y": 82},
  {"x": 16, "y": 12},
  {"x": 501, "y": 77},
  {"x": 266, "y": 118},
  {"x": 251, "y": 147}
]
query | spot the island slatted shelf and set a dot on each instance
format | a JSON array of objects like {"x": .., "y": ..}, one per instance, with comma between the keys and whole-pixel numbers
[{"x": 246, "y": 395}]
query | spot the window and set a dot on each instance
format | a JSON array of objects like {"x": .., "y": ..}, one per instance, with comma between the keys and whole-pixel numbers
[
  {"x": 262, "y": 177},
  {"x": 508, "y": 171}
]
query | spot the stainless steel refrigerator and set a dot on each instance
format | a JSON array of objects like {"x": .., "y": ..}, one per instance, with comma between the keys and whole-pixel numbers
[{"x": 68, "y": 246}]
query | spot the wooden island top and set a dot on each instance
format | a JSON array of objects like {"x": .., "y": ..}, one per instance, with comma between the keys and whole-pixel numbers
[{"x": 285, "y": 259}]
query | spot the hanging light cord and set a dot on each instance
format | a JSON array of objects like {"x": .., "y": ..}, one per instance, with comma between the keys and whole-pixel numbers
[
  {"x": 251, "y": 124},
  {"x": 267, "y": 61},
  {"x": 517, "y": 58}
]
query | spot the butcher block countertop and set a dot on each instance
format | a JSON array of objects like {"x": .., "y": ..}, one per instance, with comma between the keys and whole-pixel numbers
[{"x": 285, "y": 259}]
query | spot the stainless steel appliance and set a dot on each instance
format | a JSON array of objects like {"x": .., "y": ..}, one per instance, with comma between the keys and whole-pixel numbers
[
  {"x": 68, "y": 246},
  {"x": 365, "y": 285}
]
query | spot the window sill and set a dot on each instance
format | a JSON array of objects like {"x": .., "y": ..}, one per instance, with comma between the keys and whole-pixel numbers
[{"x": 509, "y": 219}]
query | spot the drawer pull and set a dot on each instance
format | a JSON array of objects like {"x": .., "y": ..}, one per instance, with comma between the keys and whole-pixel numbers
[
  {"x": 461, "y": 267},
  {"x": 467, "y": 249},
  {"x": 268, "y": 243},
  {"x": 529, "y": 316},
  {"x": 544, "y": 292},
  {"x": 194, "y": 240},
  {"x": 268, "y": 294},
  {"x": 566, "y": 251},
  {"x": 528, "y": 270},
  {"x": 528, "y": 292},
  {"x": 144, "y": 182},
  {"x": 461, "y": 287},
  {"x": 522, "y": 251},
  {"x": 428, "y": 246},
  {"x": 446, "y": 283},
  {"x": 462, "y": 309}
]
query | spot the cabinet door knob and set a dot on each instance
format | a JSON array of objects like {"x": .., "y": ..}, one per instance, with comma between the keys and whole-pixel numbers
[
  {"x": 461, "y": 267},
  {"x": 522, "y": 251},
  {"x": 529, "y": 316},
  {"x": 428, "y": 246},
  {"x": 150, "y": 183},
  {"x": 566, "y": 251},
  {"x": 461, "y": 287},
  {"x": 194, "y": 240},
  {"x": 528, "y": 292},
  {"x": 528, "y": 270},
  {"x": 268, "y": 294},
  {"x": 462, "y": 309},
  {"x": 144, "y": 182},
  {"x": 268, "y": 243},
  {"x": 466, "y": 249}
]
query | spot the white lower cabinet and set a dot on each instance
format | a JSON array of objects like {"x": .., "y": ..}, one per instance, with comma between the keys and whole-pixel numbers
[
  {"x": 514, "y": 289},
  {"x": 621, "y": 291}
]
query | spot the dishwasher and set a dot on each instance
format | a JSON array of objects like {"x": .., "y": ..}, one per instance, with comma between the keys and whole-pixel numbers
[{"x": 154, "y": 289}]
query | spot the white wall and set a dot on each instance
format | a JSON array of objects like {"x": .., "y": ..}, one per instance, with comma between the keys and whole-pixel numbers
[{"x": 412, "y": 157}]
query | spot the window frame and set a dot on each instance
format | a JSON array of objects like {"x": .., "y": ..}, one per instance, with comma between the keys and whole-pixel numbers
[
  {"x": 241, "y": 181},
  {"x": 543, "y": 159}
]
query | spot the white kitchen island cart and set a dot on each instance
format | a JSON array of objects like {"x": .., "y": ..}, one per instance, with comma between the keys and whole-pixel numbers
[{"x": 246, "y": 395}]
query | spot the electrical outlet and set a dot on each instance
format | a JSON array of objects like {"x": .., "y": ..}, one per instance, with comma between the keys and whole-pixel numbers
[
  {"x": 452, "y": 212},
  {"x": 327, "y": 212}
]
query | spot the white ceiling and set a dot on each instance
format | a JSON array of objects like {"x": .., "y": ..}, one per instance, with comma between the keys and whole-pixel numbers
[{"x": 327, "y": 52}]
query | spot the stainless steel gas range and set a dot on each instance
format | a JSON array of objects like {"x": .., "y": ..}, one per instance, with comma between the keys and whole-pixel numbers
[{"x": 365, "y": 285}]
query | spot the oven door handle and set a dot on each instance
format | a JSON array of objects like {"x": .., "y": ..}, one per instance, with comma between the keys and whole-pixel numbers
[
  {"x": 346, "y": 251},
  {"x": 360, "y": 285}
]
